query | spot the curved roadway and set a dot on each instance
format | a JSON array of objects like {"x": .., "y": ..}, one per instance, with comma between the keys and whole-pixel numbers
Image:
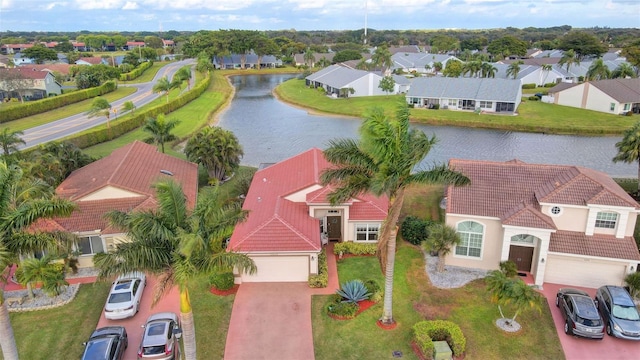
[{"x": 73, "y": 124}]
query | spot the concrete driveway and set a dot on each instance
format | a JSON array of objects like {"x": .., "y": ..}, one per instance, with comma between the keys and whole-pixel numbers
[
  {"x": 169, "y": 302},
  {"x": 586, "y": 349}
]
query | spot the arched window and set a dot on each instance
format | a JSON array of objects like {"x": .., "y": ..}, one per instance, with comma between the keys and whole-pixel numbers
[
  {"x": 606, "y": 220},
  {"x": 471, "y": 234},
  {"x": 524, "y": 239}
]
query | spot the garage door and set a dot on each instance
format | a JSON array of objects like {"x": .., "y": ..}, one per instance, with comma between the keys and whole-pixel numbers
[
  {"x": 583, "y": 272},
  {"x": 279, "y": 269}
]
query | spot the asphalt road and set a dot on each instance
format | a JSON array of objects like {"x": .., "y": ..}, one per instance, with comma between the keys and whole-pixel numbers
[{"x": 73, "y": 124}]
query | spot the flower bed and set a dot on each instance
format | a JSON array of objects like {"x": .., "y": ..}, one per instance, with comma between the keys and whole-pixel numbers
[{"x": 362, "y": 306}]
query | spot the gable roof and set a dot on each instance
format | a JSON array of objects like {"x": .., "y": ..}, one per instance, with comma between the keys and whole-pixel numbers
[
  {"x": 465, "y": 88},
  {"x": 499, "y": 189},
  {"x": 278, "y": 224},
  {"x": 94, "y": 60},
  {"x": 25, "y": 72},
  {"x": 622, "y": 90},
  {"x": 61, "y": 68},
  {"x": 338, "y": 76},
  {"x": 134, "y": 167}
]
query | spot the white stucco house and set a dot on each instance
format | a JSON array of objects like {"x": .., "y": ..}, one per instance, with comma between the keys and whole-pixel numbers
[
  {"x": 612, "y": 96},
  {"x": 290, "y": 218},
  {"x": 565, "y": 225},
  {"x": 338, "y": 80}
]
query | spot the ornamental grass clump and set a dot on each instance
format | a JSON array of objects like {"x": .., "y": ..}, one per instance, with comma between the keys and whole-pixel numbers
[{"x": 354, "y": 291}]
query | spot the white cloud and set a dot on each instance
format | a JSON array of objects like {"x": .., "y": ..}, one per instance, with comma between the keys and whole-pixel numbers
[{"x": 130, "y": 5}]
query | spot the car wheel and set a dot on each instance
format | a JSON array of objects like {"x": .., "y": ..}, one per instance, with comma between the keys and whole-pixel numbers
[
  {"x": 567, "y": 328},
  {"x": 557, "y": 302},
  {"x": 609, "y": 330}
]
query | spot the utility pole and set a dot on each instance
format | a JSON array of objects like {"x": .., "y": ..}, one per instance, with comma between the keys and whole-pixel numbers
[{"x": 365, "y": 21}]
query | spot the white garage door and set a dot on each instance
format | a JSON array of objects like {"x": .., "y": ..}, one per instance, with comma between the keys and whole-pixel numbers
[
  {"x": 583, "y": 272},
  {"x": 279, "y": 269}
]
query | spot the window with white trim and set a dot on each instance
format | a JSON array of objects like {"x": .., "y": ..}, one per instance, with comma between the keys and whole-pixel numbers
[
  {"x": 471, "y": 234},
  {"x": 627, "y": 107},
  {"x": 367, "y": 232},
  {"x": 452, "y": 102},
  {"x": 606, "y": 220},
  {"x": 89, "y": 245},
  {"x": 486, "y": 104}
]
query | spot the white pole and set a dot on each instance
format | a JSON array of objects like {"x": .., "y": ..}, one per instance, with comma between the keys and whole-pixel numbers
[{"x": 365, "y": 22}]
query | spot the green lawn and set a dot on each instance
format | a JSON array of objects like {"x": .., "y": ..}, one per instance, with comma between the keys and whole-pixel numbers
[
  {"x": 534, "y": 116},
  {"x": 40, "y": 334}
]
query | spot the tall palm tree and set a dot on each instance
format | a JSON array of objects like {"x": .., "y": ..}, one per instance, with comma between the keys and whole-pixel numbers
[
  {"x": 9, "y": 141},
  {"x": 100, "y": 107},
  {"x": 163, "y": 85},
  {"x": 514, "y": 69},
  {"x": 217, "y": 149},
  {"x": 309, "y": 58},
  {"x": 487, "y": 70},
  {"x": 629, "y": 148},
  {"x": 569, "y": 58},
  {"x": 177, "y": 245},
  {"x": 16, "y": 216},
  {"x": 382, "y": 57},
  {"x": 437, "y": 66},
  {"x": 382, "y": 162},
  {"x": 441, "y": 239},
  {"x": 544, "y": 70},
  {"x": 623, "y": 70},
  {"x": 183, "y": 74},
  {"x": 160, "y": 130},
  {"x": 598, "y": 70}
]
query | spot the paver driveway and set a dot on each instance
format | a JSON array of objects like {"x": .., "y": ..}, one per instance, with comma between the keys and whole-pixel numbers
[{"x": 576, "y": 348}]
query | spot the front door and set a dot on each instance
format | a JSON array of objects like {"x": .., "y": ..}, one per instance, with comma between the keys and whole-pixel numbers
[
  {"x": 334, "y": 228},
  {"x": 521, "y": 255}
]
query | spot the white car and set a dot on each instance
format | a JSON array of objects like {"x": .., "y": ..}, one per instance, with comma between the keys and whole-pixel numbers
[{"x": 124, "y": 298}]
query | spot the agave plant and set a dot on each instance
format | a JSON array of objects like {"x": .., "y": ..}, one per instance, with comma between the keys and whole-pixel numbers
[{"x": 354, "y": 291}]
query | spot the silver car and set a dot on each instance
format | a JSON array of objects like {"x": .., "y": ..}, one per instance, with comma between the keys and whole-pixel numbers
[
  {"x": 125, "y": 296},
  {"x": 160, "y": 338},
  {"x": 619, "y": 312},
  {"x": 580, "y": 314}
]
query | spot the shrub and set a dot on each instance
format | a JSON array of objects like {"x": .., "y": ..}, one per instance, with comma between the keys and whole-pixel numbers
[
  {"x": 374, "y": 289},
  {"x": 533, "y": 98},
  {"x": 425, "y": 332},
  {"x": 350, "y": 247},
  {"x": 509, "y": 268},
  {"x": 322, "y": 279},
  {"x": 633, "y": 281},
  {"x": 343, "y": 309},
  {"x": 528, "y": 86},
  {"x": 414, "y": 230},
  {"x": 629, "y": 113},
  {"x": 354, "y": 291},
  {"x": 436, "y": 106},
  {"x": 550, "y": 85},
  {"x": 222, "y": 281}
]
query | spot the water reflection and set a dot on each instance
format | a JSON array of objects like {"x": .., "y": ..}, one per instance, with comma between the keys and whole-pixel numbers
[{"x": 270, "y": 131}]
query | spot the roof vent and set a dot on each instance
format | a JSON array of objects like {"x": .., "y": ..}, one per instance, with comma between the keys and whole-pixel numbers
[{"x": 166, "y": 172}]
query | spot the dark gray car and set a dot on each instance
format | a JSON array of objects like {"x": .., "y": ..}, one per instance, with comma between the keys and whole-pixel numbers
[
  {"x": 106, "y": 343},
  {"x": 580, "y": 314},
  {"x": 619, "y": 312}
]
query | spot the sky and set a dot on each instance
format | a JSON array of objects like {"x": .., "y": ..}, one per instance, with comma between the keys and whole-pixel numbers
[{"x": 194, "y": 15}]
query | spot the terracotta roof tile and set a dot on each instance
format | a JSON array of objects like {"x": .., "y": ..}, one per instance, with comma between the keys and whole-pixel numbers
[
  {"x": 595, "y": 245},
  {"x": 528, "y": 216},
  {"x": 277, "y": 224}
]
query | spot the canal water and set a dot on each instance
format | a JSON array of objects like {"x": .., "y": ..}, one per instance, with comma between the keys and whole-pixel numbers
[{"x": 270, "y": 131}]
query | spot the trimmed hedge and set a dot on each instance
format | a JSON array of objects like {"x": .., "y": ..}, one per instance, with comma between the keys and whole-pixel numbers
[
  {"x": 139, "y": 70},
  {"x": 54, "y": 102},
  {"x": 414, "y": 230},
  {"x": 222, "y": 281},
  {"x": 528, "y": 86},
  {"x": 345, "y": 310},
  {"x": 426, "y": 332},
  {"x": 322, "y": 279},
  {"x": 355, "y": 248},
  {"x": 125, "y": 124}
]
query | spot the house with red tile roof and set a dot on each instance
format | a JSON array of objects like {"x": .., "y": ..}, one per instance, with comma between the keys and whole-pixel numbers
[
  {"x": 290, "y": 219},
  {"x": 121, "y": 181},
  {"x": 612, "y": 96},
  {"x": 562, "y": 224}
]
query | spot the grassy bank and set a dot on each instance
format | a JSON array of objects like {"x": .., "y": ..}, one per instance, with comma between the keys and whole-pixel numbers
[{"x": 534, "y": 116}]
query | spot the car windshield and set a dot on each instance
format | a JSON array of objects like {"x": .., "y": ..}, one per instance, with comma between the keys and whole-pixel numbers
[
  {"x": 625, "y": 312},
  {"x": 119, "y": 298}
]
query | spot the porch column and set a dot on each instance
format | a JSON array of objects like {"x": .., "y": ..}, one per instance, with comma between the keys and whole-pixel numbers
[{"x": 542, "y": 259}]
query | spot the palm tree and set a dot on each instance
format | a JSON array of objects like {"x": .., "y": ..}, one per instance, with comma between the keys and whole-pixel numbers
[
  {"x": 514, "y": 69},
  {"x": 16, "y": 216},
  {"x": 309, "y": 57},
  {"x": 183, "y": 74},
  {"x": 382, "y": 57},
  {"x": 487, "y": 70},
  {"x": 623, "y": 70},
  {"x": 9, "y": 141},
  {"x": 441, "y": 239},
  {"x": 382, "y": 162},
  {"x": 42, "y": 271},
  {"x": 160, "y": 130},
  {"x": 437, "y": 66},
  {"x": 569, "y": 58},
  {"x": 177, "y": 245},
  {"x": 100, "y": 107},
  {"x": 598, "y": 70},
  {"x": 505, "y": 290},
  {"x": 629, "y": 148},
  {"x": 217, "y": 149},
  {"x": 544, "y": 70},
  {"x": 129, "y": 106},
  {"x": 163, "y": 86}
]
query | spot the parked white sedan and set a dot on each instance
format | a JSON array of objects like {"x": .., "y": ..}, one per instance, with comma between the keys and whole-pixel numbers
[{"x": 124, "y": 298}]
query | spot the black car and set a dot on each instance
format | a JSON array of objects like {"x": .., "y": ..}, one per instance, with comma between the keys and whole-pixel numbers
[
  {"x": 619, "y": 312},
  {"x": 580, "y": 314},
  {"x": 106, "y": 343}
]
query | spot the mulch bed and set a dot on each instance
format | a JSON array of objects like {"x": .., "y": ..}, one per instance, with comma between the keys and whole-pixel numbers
[
  {"x": 231, "y": 291},
  {"x": 386, "y": 326},
  {"x": 362, "y": 306}
]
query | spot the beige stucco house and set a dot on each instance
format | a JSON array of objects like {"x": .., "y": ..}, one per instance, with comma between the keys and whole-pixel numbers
[
  {"x": 612, "y": 96},
  {"x": 562, "y": 224},
  {"x": 290, "y": 218},
  {"x": 121, "y": 181}
]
